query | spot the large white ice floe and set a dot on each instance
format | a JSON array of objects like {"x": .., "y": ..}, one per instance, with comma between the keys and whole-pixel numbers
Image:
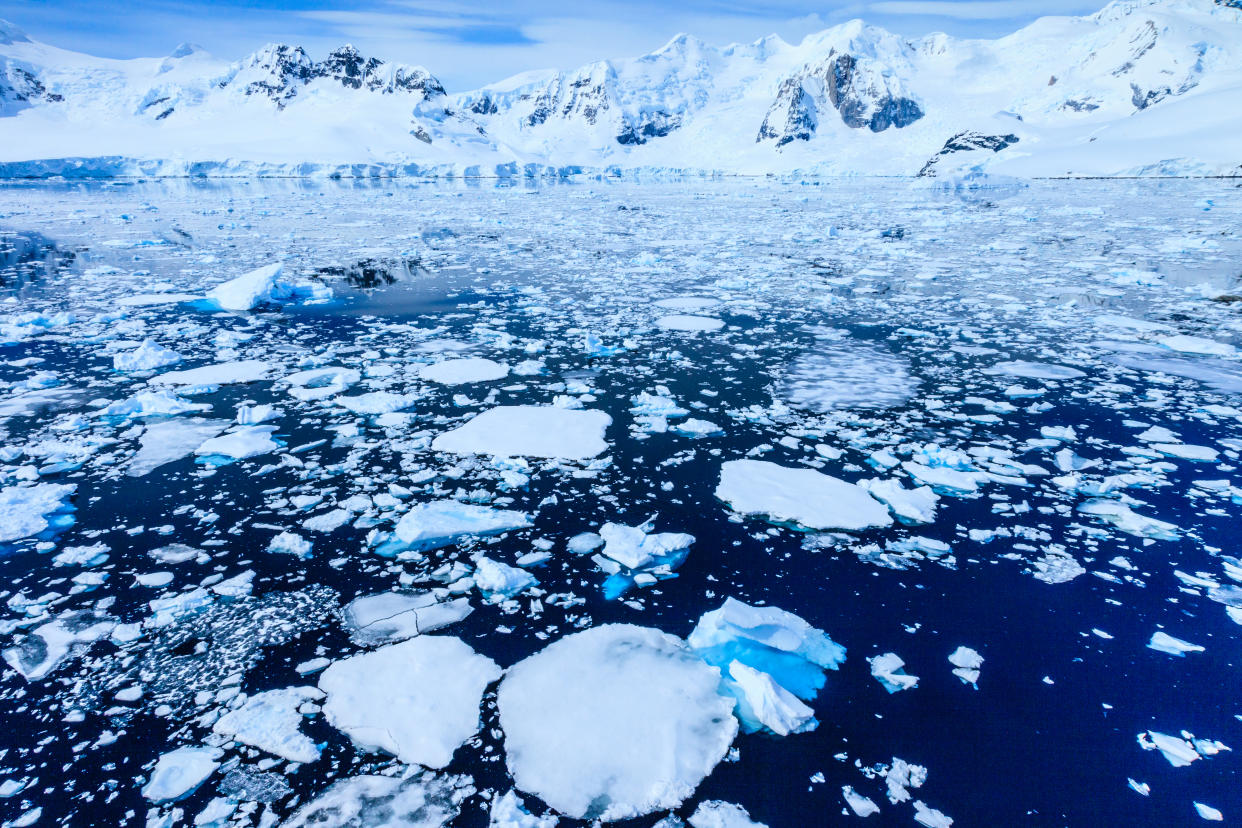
[
  {"x": 1034, "y": 370},
  {"x": 417, "y": 700},
  {"x": 179, "y": 772},
  {"x": 530, "y": 431},
  {"x": 46, "y": 647},
  {"x": 463, "y": 371},
  {"x": 769, "y": 660},
  {"x": 211, "y": 376},
  {"x": 689, "y": 322},
  {"x": 1165, "y": 643},
  {"x": 30, "y": 510},
  {"x": 240, "y": 443},
  {"x": 799, "y": 497},
  {"x": 441, "y": 522},
  {"x": 270, "y": 722},
  {"x": 414, "y": 800},
  {"x": 170, "y": 440},
  {"x": 614, "y": 722},
  {"x": 386, "y": 617}
]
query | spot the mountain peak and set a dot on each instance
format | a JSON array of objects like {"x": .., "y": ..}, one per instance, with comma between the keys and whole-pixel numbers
[{"x": 10, "y": 34}]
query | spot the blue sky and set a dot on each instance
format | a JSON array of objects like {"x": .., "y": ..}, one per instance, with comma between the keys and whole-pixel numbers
[{"x": 469, "y": 43}]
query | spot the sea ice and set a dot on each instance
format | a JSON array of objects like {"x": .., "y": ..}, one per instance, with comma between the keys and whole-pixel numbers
[
  {"x": 270, "y": 720},
  {"x": 1166, "y": 643},
  {"x": 499, "y": 581},
  {"x": 462, "y": 371},
  {"x": 30, "y": 510},
  {"x": 800, "y": 497},
  {"x": 250, "y": 289},
  {"x": 150, "y": 404},
  {"x": 179, "y": 772},
  {"x": 440, "y": 522},
  {"x": 530, "y": 431},
  {"x": 1208, "y": 812},
  {"x": 717, "y": 814},
  {"x": 146, "y": 357},
  {"x": 613, "y": 722},
  {"x": 386, "y": 617},
  {"x": 686, "y": 322},
  {"x": 170, "y": 440},
  {"x": 241, "y": 443},
  {"x": 848, "y": 375},
  {"x": 1034, "y": 370},
  {"x": 290, "y": 543},
  {"x": 635, "y": 547},
  {"x": 930, "y": 817},
  {"x": 1129, "y": 521},
  {"x": 417, "y": 700},
  {"x": 376, "y": 402},
  {"x": 507, "y": 812},
  {"x": 761, "y": 700},
  {"x": 210, "y": 376},
  {"x": 916, "y": 505},
  {"x": 47, "y": 646},
  {"x": 862, "y": 806},
  {"x": 414, "y": 800},
  {"x": 887, "y": 668},
  {"x": 966, "y": 663}
]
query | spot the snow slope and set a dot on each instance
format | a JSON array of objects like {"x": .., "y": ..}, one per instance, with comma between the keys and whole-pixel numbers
[{"x": 1143, "y": 87}]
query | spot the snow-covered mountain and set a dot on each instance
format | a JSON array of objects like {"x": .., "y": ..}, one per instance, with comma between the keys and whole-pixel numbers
[{"x": 1143, "y": 87}]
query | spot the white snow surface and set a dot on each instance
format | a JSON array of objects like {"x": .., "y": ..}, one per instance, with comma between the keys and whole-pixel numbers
[
  {"x": 270, "y": 720},
  {"x": 613, "y": 722},
  {"x": 417, "y": 700},
  {"x": 530, "y": 431},
  {"x": 179, "y": 772},
  {"x": 800, "y": 497},
  {"x": 462, "y": 371},
  {"x": 440, "y": 522}
]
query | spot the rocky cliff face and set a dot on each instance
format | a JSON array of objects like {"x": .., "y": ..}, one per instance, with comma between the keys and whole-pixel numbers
[
  {"x": 968, "y": 142},
  {"x": 864, "y": 93}
]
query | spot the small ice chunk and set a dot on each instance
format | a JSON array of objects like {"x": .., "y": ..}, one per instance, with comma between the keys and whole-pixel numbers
[
  {"x": 1057, "y": 567},
  {"x": 146, "y": 357},
  {"x": 1166, "y": 643},
  {"x": 613, "y": 722},
  {"x": 499, "y": 581},
  {"x": 250, "y": 289},
  {"x": 1208, "y": 812},
  {"x": 887, "y": 668},
  {"x": 395, "y": 616},
  {"x": 29, "y": 510},
  {"x": 900, "y": 776},
  {"x": 508, "y": 812},
  {"x": 290, "y": 543},
  {"x": 417, "y": 700},
  {"x": 462, "y": 371},
  {"x": 769, "y": 704},
  {"x": 179, "y": 772},
  {"x": 530, "y": 431},
  {"x": 633, "y": 547},
  {"x": 241, "y": 443},
  {"x": 801, "y": 497},
  {"x": 930, "y": 817},
  {"x": 376, "y": 402},
  {"x": 861, "y": 805},
  {"x": 966, "y": 663},
  {"x": 269, "y": 721},
  {"x": 693, "y": 427}
]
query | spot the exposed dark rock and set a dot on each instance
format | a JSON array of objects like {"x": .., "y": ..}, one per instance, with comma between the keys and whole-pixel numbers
[
  {"x": 968, "y": 142},
  {"x": 647, "y": 125}
]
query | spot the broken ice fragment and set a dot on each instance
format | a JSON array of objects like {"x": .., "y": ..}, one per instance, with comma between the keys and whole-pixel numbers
[
  {"x": 1166, "y": 643},
  {"x": 179, "y": 772},
  {"x": 441, "y": 522},
  {"x": 269, "y": 721},
  {"x": 800, "y": 497},
  {"x": 530, "y": 431},
  {"x": 887, "y": 668}
]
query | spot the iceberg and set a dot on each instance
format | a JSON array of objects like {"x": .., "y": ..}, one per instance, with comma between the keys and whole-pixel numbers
[
  {"x": 26, "y": 511},
  {"x": 613, "y": 722},
  {"x": 887, "y": 669},
  {"x": 499, "y": 581},
  {"x": 417, "y": 700},
  {"x": 800, "y": 497},
  {"x": 179, "y": 772},
  {"x": 250, "y": 289},
  {"x": 440, "y": 522}
]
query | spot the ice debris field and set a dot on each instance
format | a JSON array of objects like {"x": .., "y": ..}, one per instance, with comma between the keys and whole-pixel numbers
[{"x": 710, "y": 504}]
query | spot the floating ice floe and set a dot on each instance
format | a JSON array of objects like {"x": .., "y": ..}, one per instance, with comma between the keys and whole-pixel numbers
[
  {"x": 413, "y": 800},
  {"x": 417, "y": 700},
  {"x": 888, "y": 670},
  {"x": 530, "y": 431},
  {"x": 386, "y": 617},
  {"x": 37, "y": 654},
  {"x": 613, "y": 722},
  {"x": 930, "y": 817},
  {"x": 1180, "y": 751},
  {"x": 179, "y": 772},
  {"x": 1034, "y": 370},
  {"x": 441, "y": 522},
  {"x": 168, "y": 441},
  {"x": 769, "y": 660},
  {"x": 694, "y": 427},
  {"x": 26, "y": 511},
  {"x": 862, "y": 806},
  {"x": 687, "y": 303},
  {"x": 900, "y": 776},
  {"x": 966, "y": 663},
  {"x": 633, "y": 555},
  {"x": 146, "y": 357},
  {"x": 1197, "y": 345},
  {"x": 1129, "y": 521},
  {"x": 508, "y": 812},
  {"x": 1057, "y": 567},
  {"x": 499, "y": 581},
  {"x": 1165, "y": 643},
  {"x": 209, "y": 377},
  {"x": 143, "y": 300},
  {"x": 290, "y": 543},
  {"x": 717, "y": 814},
  {"x": 150, "y": 404},
  {"x": 263, "y": 285},
  {"x": 1182, "y": 451},
  {"x": 1208, "y": 812},
  {"x": 687, "y": 322},
  {"x": 376, "y": 402},
  {"x": 803, "y": 498},
  {"x": 462, "y": 371},
  {"x": 917, "y": 505},
  {"x": 270, "y": 722},
  {"x": 320, "y": 383},
  {"x": 239, "y": 444}
]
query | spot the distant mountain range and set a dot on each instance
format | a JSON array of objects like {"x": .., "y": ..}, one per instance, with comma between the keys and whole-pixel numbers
[{"x": 1141, "y": 88}]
